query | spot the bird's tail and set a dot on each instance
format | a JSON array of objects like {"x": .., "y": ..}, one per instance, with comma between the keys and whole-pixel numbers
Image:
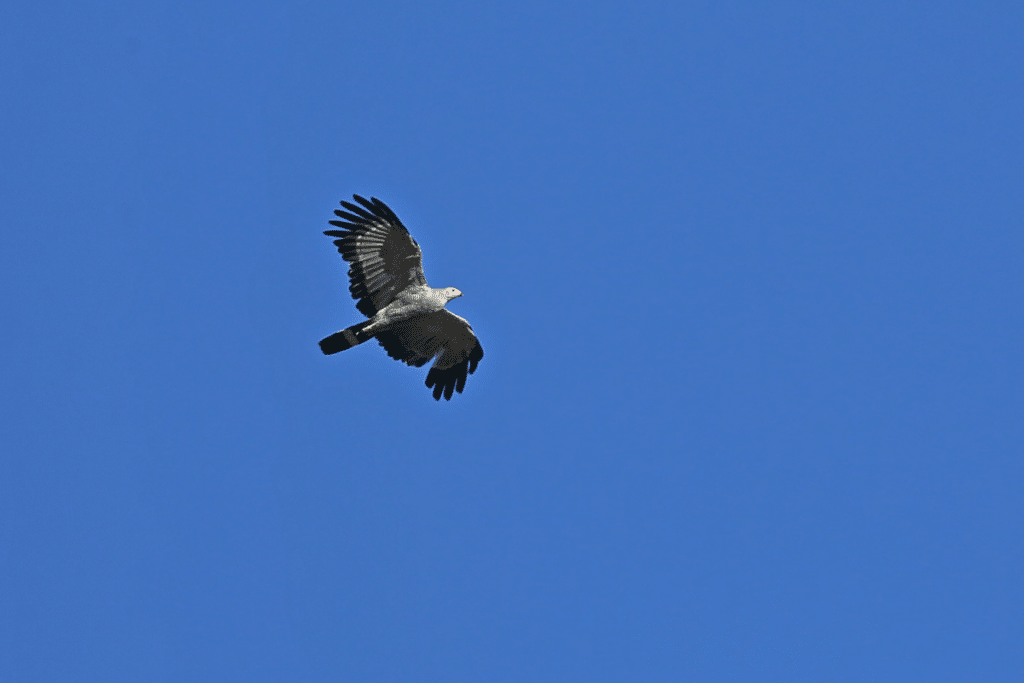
[{"x": 346, "y": 339}]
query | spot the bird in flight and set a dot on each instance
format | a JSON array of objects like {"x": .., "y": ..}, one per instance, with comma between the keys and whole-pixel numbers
[{"x": 407, "y": 317}]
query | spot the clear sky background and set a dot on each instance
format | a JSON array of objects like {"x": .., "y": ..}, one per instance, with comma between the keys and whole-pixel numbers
[{"x": 747, "y": 275}]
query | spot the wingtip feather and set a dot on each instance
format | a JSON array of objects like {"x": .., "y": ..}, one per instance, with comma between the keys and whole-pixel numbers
[{"x": 363, "y": 214}]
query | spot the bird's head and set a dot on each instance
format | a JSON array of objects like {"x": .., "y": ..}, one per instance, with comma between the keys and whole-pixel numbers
[{"x": 451, "y": 293}]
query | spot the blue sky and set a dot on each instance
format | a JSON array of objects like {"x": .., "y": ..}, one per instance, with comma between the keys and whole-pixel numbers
[{"x": 747, "y": 276}]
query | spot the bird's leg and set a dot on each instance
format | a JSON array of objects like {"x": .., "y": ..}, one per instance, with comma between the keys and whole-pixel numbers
[{"x": 377, "y": 322}]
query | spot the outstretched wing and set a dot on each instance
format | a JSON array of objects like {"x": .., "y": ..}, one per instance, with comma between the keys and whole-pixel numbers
[
  {"x": 385, "y": 258},
  {"x": 442, "y": 334}
]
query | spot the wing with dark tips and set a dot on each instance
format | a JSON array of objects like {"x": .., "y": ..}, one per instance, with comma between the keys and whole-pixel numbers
[
  {"x": 385, "y": 258},
  {"x": 441, "y": 335}
]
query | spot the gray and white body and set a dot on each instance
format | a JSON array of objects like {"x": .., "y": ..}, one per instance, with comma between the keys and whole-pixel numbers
[
  {"x": 407, "y": 316},
  {"x": 414, "y": 300}
]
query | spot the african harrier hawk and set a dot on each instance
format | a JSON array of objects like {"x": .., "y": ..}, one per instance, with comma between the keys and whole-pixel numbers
[{"x": 406, "y": 315}]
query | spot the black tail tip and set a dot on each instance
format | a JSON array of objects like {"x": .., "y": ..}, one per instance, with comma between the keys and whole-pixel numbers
[{"x": 334, "y": 344}]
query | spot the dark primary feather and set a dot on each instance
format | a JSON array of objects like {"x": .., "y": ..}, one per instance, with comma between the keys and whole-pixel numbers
[
  {"x": 454, "y": 378},
  {"x": 385, "y": 258}
]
